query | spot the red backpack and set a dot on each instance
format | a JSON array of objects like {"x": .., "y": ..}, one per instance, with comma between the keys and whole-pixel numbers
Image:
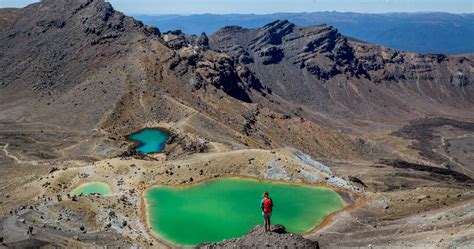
[{"x": 267, "y": 205}]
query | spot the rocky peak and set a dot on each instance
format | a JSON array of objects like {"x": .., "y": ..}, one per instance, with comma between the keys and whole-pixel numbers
[
  {"x": 228, "y": 30},
  {"x": 203, "y": 41},
  {"x": 176, "y": 39},
  {"x": 324, "y": 52},
  {"x": 320, "y": 50},
  {"x": 65, "y": 28},
  {"x": 272, "y": 34},
  {"x": 95, "y": 18}
]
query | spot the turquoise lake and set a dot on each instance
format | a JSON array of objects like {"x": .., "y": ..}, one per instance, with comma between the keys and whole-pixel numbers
[
  {"x": 229, "y": 207},
  {"x": 149, "y": 140},
  {"x": 92, "y": 187}
]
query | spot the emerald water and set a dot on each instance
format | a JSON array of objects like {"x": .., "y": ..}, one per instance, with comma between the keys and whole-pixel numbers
[
  {"x": 229, "y": 207},
  {"x": 92, "y": 187},
  {"x": 150, "y": 140}
]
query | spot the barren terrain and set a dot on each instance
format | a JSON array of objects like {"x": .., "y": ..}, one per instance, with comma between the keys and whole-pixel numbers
[{"x": 391, "y": 130}]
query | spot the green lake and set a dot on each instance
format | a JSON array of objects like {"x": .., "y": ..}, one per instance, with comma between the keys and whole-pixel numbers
[
  {"x": 229, "y": 207},
  {"x": 92, "y": 187},
  {"x": 149, "y": 140}
]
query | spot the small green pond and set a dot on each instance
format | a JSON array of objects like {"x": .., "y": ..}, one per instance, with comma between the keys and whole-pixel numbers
[
  {"x": 149, "y": 140},
  {"x": 229, "y": 207},
  {"x": 92, "y": 187}
]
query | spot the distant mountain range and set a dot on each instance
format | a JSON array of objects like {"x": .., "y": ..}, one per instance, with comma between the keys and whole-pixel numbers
[{"x": 417, "y": 32}]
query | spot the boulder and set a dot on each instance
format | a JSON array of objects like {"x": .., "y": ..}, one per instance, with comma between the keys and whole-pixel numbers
[{"x": 203, "y": 41}]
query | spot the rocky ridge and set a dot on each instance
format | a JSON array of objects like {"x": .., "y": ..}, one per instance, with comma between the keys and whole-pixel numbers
[{"x": 321, "y": 69}]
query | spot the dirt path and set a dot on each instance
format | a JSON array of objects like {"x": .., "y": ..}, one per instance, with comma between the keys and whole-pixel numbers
[
  {"x": 7, "y": 154},
  {"x": 451, "y": 159}
]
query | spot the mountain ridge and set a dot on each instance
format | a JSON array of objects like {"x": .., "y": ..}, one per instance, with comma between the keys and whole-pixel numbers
[
  {"x": 327, "y": 55},
  {"x": 261, "y": 70},
  {"x": 417, "y": 32}
]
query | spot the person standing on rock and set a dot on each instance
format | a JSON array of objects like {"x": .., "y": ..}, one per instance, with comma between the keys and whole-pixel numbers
[{"x": 266, "y": 204}]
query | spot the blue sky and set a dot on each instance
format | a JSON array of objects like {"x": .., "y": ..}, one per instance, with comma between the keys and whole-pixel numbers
[{"x": 273, "y": 6}]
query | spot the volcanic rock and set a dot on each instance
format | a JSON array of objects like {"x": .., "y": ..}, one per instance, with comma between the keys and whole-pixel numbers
[{"x": 277, "y": 238}]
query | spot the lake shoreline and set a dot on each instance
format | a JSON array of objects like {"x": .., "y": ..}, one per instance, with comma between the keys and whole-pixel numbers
[
  {"x": 105, "y": 188},
  {"x": 357, "y": 200},
  {"x": 136, "y": 144}
]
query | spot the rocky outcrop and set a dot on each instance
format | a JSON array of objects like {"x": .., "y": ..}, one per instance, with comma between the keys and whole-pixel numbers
[
  {"x": 326, "y": 54},
  {"x": 203, "y": 41},
  {"x": 220, "y": 72},
  {"x": 175, "y": 39},
  {"x": 271, "y": 55},
  {"x": 277, "y": 238},
  {"x": 271, "y": 34}
]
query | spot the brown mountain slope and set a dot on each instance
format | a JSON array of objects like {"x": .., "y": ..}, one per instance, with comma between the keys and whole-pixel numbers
[
  {"x": 323, "y": 71},
  {"x": 356, "y": 87},
  {"x": 7, "y": 17},
  {"x": 85, "y": 66},
  {"x": 61, "y": 55}
]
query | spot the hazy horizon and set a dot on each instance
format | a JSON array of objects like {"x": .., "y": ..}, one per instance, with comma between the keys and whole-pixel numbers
[
  {"x": 303, "y": 12},
  {"x": 220, "y": 7}
]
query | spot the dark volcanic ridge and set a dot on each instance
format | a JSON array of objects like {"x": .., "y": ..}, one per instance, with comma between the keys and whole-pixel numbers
[
  {"x": 422, "y": 32},
  {"x": 315, "y": 67},
  {"x": 319, "y": 68}
]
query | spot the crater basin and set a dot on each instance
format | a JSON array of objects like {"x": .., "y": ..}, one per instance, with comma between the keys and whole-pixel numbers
[
  {"x": 229, "y": 207},
  {"x": 149, "y": 140},
  {"x": 92, "y": 187}
]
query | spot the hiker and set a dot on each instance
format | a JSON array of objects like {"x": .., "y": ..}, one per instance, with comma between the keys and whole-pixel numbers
[{"x": 266, "y": 204}]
